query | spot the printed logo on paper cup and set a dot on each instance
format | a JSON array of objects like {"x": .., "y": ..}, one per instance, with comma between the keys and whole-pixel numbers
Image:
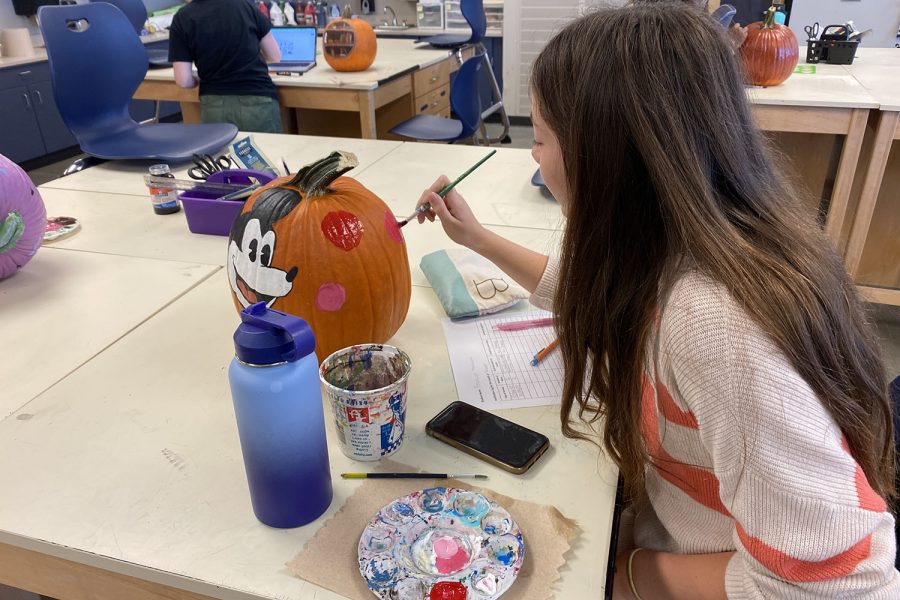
[{"x": 358, "y": 414}]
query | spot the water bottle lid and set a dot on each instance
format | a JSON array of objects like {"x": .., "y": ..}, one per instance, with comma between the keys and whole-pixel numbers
[{"x": 266, "y": 336}]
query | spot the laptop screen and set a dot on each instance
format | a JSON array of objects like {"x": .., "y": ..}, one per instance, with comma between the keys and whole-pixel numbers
[{"x": 298, "y": 44}]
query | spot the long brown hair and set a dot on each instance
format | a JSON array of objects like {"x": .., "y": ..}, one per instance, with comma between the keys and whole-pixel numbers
[{"x": 665, "y": 166}]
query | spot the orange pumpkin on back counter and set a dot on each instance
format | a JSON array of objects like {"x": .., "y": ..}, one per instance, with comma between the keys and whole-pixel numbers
[{"x": 349, "y": 44}]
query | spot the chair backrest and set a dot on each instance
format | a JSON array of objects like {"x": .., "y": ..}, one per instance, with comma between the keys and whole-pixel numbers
[
  {"x": 724, "y": 15},
  {"x": 133, "y": 9},
  {"x": 96, "y": 64},
  {"x": 465, "y": 99},
  {"x": 473, "y": 12}
]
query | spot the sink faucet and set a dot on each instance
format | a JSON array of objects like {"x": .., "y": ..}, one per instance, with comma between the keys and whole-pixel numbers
[{"x": 393, "y": 14}]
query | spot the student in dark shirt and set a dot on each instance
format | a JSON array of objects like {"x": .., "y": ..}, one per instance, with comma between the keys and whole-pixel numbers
[
  {"x": 230, "y": 42},
  {"x": 749, "y": 11}
]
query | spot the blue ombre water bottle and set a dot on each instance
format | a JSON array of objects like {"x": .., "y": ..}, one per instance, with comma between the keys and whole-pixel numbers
[{"x": 277, "y": 398}]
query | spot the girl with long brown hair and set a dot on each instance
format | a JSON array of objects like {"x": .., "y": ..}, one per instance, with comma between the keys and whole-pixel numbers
[{"x": 708, "y": 330}]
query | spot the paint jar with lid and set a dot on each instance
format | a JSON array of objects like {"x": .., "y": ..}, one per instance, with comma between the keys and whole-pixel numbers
[
  {"x": 277, "y": 397},
  {"x": 164, "y": 199}
]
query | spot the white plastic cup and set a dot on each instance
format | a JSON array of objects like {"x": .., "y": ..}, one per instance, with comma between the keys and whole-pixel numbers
[{"x": 366, "y": 388}]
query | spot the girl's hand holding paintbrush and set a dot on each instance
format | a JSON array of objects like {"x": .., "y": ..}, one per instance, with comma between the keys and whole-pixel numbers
[
  {"x": 461, "y": 226},
  {"x": 455, "y": 215}
]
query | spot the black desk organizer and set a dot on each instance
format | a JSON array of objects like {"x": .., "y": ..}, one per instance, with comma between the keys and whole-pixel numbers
[{"x": 833, "y": 52}]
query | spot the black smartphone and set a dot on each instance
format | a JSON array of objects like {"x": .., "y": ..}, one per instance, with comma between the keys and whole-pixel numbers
[{"x": 486, "y": 436}]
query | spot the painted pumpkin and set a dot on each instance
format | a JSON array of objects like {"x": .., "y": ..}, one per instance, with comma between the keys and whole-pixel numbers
[
  {"x": 349, "y": 44},
  {"x": 770, "y": 53},
  {"x": 324, "y": 248},
  {"x": 23, "y": 218}
]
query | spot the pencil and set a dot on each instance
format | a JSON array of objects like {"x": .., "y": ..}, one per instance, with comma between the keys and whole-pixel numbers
[
  {"x": 544, "y": 352},
  {"x": 527, "y": 324},
  {"x": 445, "y": 190},
  {"x": 411, "y": 476}
]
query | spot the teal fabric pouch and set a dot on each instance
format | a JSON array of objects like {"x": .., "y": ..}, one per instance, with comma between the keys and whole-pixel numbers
[{"x": 469, "y": 285}]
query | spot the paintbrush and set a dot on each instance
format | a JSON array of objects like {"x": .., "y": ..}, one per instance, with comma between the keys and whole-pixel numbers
[
  {"x": 284, "y": 164},
  {"x": 445, "y": 190}
]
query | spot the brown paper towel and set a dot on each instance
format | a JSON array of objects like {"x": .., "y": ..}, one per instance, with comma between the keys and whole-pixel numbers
[
  {"x": 16, "y": 42},
  {"x": 330, "y": 558}
]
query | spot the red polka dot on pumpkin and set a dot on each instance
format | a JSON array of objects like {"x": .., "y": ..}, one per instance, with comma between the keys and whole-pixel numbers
[
  {"x": 343, "y": 229},
  {"x": 331, "y": 297},
  {"x": 392, "y": 227}
]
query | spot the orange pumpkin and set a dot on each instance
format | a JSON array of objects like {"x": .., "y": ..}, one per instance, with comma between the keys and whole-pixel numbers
[
  {"x": 349, "y": 44},
  {"x": 324, "y": 248},
  {"x": 770, "y": 53}
]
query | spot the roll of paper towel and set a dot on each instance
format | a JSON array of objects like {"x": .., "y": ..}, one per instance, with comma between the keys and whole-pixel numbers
[{"x": 16, "y": 42}]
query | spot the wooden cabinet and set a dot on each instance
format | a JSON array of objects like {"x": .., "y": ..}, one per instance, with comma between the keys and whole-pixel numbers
[
  {"x": 30, "y": 124},
  {"x": 431, "y": 89}
]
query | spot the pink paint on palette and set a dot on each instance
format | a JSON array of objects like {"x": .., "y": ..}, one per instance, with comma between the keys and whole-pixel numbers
[{"x": 440, "y": 535}]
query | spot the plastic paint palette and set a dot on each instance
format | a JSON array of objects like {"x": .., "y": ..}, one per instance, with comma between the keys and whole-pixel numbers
[{"x": 441, "y": 544}]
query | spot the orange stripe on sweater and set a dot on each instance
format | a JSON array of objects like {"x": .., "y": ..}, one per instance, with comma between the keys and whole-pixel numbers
[
  {"x": 670, "y": 409},
  {"x": 699, "y": 484},
  {"x": 868, "y": 498},
  {"x": 805, "y": 571}
]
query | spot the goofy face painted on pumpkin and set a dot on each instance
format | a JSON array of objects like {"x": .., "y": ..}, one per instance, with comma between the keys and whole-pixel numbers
[{"x": 252, "y": 245}]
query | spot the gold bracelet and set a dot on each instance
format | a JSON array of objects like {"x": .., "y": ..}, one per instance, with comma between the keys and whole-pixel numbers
[{"x": 631, "y": 574}]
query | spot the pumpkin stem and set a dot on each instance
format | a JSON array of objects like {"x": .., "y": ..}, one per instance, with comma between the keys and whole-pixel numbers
[
  {"x": 769, "y": 19},
  {"x": 347, "y": 12},
  {"x": 313, "y": 179}
]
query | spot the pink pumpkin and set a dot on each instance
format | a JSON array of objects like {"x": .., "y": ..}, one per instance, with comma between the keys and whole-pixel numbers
[{"x": 23, "y": 218}]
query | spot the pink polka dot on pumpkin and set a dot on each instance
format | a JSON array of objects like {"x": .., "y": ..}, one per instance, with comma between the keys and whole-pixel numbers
[
  {"x": 331, "y": 297},
  {"x": 392, "y": 227}
]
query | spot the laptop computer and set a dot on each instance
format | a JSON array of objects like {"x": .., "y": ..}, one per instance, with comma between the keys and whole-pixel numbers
[{"x": 298, "y": 49}]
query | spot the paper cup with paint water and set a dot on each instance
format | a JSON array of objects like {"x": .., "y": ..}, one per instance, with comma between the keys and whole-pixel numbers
[{"x": 366, "y": 386}]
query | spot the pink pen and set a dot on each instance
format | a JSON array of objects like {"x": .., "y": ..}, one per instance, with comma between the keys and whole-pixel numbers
[{"x": 527, "y": 324}]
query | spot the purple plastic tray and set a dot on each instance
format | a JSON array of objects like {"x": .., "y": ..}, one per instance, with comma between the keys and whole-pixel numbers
[{"x": 206, "y": 214}]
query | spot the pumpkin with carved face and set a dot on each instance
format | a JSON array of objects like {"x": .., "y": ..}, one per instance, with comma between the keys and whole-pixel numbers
[{"x": 321, "y": 246}]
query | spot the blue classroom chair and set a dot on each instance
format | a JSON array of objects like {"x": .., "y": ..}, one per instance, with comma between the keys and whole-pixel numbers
[
  {"x": 96, "y": 64},
  {"x": 137, "y": 16},
  {"x": 465, "y": 103},
  {"x": 473, "y": 12}
]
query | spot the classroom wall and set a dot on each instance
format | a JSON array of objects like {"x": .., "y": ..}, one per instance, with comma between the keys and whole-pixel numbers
[
  {"x": 883, "y": 16},
  {"x": 9, "y": 19}
]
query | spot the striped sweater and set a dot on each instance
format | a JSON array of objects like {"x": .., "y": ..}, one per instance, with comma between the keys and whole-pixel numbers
[{"x": 747, "y": 459}]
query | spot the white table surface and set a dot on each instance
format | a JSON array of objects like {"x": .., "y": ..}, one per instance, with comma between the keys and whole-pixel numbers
[
  {"x": 127, "y": 226},
  {"x": 878, "y": 70},
  {"x": 394, "y": 57},
  {"x": 132, "y": 462},
  {"x": 63, "y": 308},
  {"x": 499, "y": 191},
  {"x": 832, "y": 86},
  {"x": 127, "y": 177},
  {"x": 865, "y": 57}
]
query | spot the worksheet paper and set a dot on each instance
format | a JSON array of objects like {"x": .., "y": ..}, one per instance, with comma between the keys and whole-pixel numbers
[{"x": 492, "y": 368}]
